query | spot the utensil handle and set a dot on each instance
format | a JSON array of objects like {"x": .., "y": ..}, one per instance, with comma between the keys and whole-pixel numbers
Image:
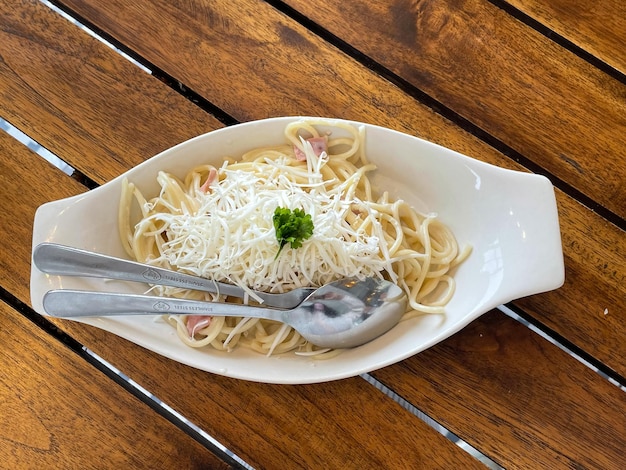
[
  {"x": 66, "y": 303},
  {"x": 52, "y": 258}
]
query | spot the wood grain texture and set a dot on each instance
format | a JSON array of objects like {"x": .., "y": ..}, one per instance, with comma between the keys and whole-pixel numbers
[
  {"x": 57, "y": 411},
  {"x": 598, "y": 28},
  {"x": 200, "y": 43},
  {"x": 592, "y": 302},
  {"x": 552, "y": 107},
  {"x": 49, "y": 91},
  {"x": 544, "y": 410}
]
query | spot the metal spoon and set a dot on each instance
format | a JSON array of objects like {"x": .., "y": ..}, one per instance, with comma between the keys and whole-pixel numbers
[
  {"x": 342, "y": 314},
  {"x": 52, "y": 258}
]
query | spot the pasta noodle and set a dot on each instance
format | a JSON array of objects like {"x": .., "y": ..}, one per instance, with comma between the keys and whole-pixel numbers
[{"x": 217, "y": 223}]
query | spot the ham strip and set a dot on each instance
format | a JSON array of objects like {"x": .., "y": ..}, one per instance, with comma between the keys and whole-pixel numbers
[
  {"x": 319, "y": 145},
  {"x": 196, "y": 322},
  {"x": 209, "y": 181}
]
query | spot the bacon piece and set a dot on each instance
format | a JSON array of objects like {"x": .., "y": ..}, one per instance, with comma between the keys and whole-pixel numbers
[
  {"x": 319, "y": 145},
  {"x": 196, "y": 323},
  {"x": 209, "y": 181}
]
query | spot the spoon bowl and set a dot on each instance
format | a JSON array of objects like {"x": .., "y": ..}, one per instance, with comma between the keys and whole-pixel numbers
[{"x": 342, "y": 314}]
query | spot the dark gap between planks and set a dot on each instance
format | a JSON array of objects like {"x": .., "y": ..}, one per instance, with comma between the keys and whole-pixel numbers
[{"x": 560, "y": 40}]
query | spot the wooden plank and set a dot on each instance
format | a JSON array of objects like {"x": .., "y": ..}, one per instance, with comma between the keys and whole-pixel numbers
[
  {"x": 17, "y": 223},
  {"x": 552, "y": 107},
  {"x": 254, "y": 420},
  {"x": 592, "y": 302},
  {"x": 55, "y": 409},
  {"x": 271, "y": 80},
  {"x": 60, "y": 105},
  {"x": 544, "y": 410},
  {"x": 597, "y": 27}
]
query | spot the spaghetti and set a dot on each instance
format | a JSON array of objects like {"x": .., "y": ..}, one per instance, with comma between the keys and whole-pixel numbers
[{"x": 217, "y": 223}]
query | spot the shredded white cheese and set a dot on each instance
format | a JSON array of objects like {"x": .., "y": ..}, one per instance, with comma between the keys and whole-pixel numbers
[{"x": 230, "y": 235}]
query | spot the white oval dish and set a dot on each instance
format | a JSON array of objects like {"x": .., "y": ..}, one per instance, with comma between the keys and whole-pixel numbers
[{"x": 510, "y": 219}]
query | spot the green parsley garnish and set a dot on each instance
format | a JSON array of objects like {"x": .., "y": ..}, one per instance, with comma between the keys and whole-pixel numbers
[{"x": 292, "y": 227}]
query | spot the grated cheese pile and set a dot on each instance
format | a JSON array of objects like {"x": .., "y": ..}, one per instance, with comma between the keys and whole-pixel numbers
[{"x": 229, "y": 235}]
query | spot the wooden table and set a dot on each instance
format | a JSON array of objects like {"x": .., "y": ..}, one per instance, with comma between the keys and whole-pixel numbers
[{"x": 530, "y": 85}]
